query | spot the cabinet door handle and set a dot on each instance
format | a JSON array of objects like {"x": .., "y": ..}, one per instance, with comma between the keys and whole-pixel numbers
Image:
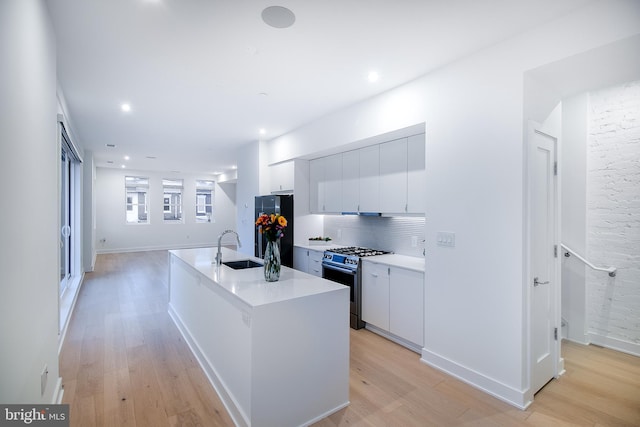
[{"x": 374, "y": 274}]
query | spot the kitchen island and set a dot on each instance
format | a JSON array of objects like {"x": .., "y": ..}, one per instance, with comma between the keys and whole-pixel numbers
[{"x": 277, "y": 353}]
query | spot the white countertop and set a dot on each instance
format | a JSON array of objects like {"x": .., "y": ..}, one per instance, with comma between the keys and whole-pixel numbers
[
  {"x": 395, "y": 260},
  {"x": 249, "y": 284}
]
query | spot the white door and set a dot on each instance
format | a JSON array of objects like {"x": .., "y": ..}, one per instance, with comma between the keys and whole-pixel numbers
[{"x": 543, "y": 264}]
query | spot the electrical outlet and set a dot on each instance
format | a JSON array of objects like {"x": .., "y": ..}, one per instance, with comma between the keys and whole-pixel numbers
[{"x": 43, "y": 379}]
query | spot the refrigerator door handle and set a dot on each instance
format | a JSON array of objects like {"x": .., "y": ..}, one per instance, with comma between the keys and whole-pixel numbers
[{"x": 260, "y": 245}]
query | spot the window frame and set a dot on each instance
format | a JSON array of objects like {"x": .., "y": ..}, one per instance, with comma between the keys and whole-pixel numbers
[
  {"x": 172, "y": 197},
  {"x": 136, "y": 185},
  {"x": 205, "y": 211}
]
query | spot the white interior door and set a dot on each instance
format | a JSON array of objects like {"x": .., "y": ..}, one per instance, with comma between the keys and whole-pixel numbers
[{"x": 543, "y": 264}]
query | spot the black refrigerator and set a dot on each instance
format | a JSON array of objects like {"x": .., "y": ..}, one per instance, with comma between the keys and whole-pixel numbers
[{"x": 277, "y": 204}]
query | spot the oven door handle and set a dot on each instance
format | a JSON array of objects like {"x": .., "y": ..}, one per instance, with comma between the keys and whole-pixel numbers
[{"x": 343, "y": 270}]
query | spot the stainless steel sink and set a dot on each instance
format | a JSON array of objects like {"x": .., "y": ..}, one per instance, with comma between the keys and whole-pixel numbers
[{"x": 242, "y": 264}]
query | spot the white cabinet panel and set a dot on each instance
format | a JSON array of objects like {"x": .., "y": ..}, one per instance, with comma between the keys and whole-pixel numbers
[
  {"x": 315, "y": 263},
  {"x": 370, "y": 179},
  {"x": 316, "y": 185},
  {"x": 281, "y": 177},
  {"x": 387, "y": 178},
  {"x": 393, "y": 176},
  {"x": 350, "y": 181},
  {"x": 406, "y": 305},
  {"x": 375, "y": 295},
  {"x": 300, "y": 259},
  {"x": 393, "y": 301},
  {"x": 416, "y": 175},
  {"x": 333, "y": 184},
  {"x": 308, "y": 260},
  {"x": 325, "y": 184}
]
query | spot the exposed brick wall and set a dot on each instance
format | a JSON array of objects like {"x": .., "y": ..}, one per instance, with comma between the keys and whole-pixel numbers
[{"x": 613, "y": 213}]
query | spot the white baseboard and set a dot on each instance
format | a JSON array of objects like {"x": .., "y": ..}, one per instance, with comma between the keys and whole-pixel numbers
[
  {"x": 508, "y": 394},
  {"x": 58, "y": 392},
  {"x": 615, "y": 344},
  {"x": 396, "y": 339},
  {"x": 236, "y": 413}
]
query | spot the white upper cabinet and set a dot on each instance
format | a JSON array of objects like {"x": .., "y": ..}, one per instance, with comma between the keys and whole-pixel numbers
[
  {"x": 369, "y": 179},
  {"x": 388, "y": 178},
  {"x": 416, "y": 175},
  {"x": 316, "y": 185},
  {"x": 325, "y": 184},
  {"x": 281, "y": 177},
  {"x": 350, "y": 181},
  {"x": 333, "y": 183},
  {"x": 393, "y": 176}
]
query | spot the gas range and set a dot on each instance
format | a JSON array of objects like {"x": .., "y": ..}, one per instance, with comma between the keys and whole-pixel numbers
[
  {"x": 342, "y": 265},
  {"x": 348, "y": 257}
]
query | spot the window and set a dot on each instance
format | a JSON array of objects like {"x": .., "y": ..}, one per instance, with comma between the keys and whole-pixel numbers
[
  {"x": 137, "y": 200},
  {"x": 172, "y": 200},
  {"x": 204, "y": 200},
  {"x": 70, "y": 171}
]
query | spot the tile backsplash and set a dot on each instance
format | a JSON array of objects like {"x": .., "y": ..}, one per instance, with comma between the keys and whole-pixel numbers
[{"x": 386, "y": 233}]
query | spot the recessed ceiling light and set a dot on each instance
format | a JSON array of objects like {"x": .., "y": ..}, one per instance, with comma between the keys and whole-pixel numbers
[
  {"x": 278, "y": 17},
  {"x": 234, "y": 167},
  {"x": 373, "y": 76},
  {"x": 126, "y": 157},
  {"x": 125, "y": 107},
  {"x": 263, "y": 131},
  {"x": 122, "y": 166}
]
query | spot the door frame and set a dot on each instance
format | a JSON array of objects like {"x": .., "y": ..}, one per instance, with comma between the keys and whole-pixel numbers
[{"x": 533, "y": 128}]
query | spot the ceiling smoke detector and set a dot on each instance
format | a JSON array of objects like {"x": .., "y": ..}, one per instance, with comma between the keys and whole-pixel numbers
[{"x": 278, "y": 17}]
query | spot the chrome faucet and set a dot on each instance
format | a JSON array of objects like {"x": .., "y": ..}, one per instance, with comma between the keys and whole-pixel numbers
[{"x": 219, "y": 254}]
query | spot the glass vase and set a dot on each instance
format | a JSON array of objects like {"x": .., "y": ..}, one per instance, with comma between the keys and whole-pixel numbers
[{"x": 272, "y": 261}]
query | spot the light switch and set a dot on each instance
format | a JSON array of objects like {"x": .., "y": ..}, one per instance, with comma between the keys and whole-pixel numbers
[{"x": 447, "y": 239}]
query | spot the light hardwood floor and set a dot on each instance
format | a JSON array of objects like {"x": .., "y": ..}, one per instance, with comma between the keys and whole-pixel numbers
[{"x": 124, "y": 363}]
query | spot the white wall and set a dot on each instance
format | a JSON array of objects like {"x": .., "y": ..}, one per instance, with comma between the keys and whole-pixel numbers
[
  {"x": 476, "y": 320},
  {"x": 29, "y": 265},
  {"x": 248, "y": 187},
  {"x": 122, "y": 237},
  {"x": 613, "y": 216},
  {"x": 88, "y": 212},
  {"x": 573, "y": 168}
]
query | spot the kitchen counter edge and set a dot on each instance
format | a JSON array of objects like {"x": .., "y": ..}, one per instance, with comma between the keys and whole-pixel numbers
[{"x": 401, "y": 261}]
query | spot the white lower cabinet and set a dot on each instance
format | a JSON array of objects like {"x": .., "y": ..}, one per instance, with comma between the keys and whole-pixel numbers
[
  {"x": 406, "y": 305},
  {"x": 375, "y": 294},
  {"x": 300, "y": 259},
  {"x": 315, "y": 263},
  {"x": 393, "y": 301},
  {"x": 308, "y": 260}
]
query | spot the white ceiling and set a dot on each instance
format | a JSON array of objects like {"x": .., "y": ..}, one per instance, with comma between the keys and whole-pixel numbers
[{"x": 195, "y": 71}]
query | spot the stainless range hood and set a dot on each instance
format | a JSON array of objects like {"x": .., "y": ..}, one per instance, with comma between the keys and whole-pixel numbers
[{"x": 362, "y": 213}]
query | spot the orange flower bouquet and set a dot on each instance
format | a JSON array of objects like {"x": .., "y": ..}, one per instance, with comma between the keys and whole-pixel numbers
[{"x": 271, "y": 226}]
